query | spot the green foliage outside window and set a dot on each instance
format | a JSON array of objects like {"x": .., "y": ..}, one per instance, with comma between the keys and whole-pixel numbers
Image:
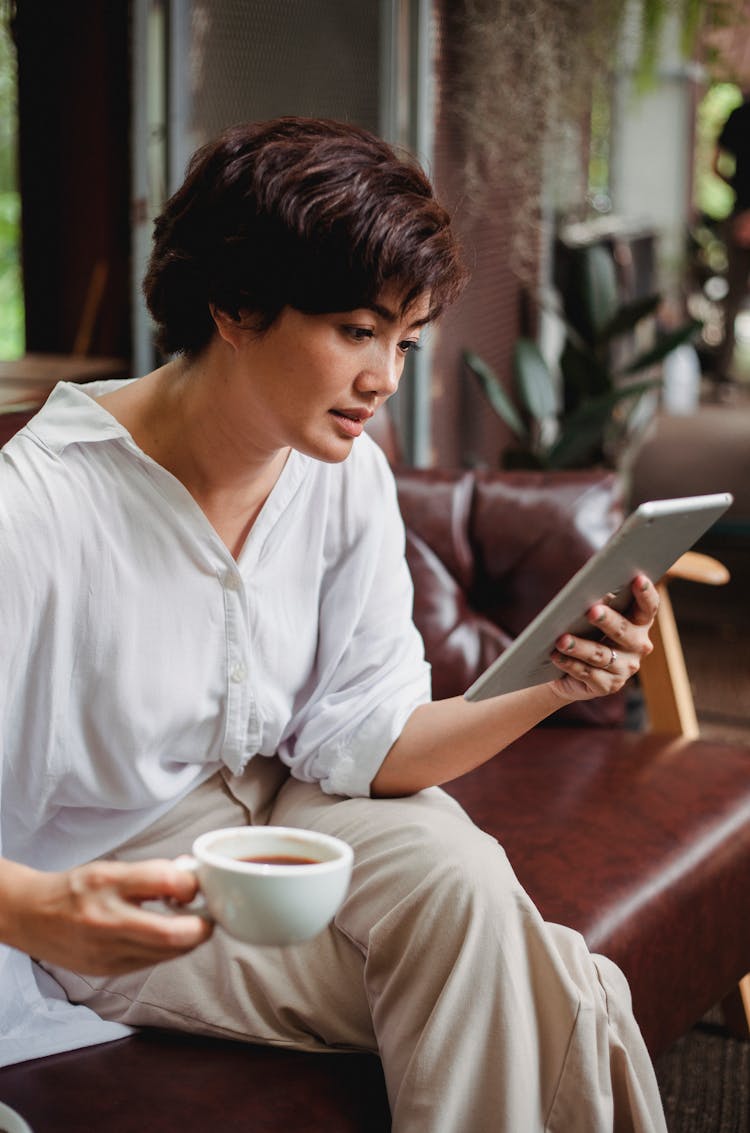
[
  {"x": 11, "y": 284},
  {"x": 713, "y": 196}
]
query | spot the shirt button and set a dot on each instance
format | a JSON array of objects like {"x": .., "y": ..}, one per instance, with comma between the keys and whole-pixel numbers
[{"x": 238, "y": 672}]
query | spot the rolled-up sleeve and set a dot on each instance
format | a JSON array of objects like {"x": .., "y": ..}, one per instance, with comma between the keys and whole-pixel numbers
[{"x": 370, "y": 671}]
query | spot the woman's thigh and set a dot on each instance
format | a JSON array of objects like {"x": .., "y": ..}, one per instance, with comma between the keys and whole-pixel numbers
[
  {"x": 315, "y": 993},
  {"x": 421, "y": 850}
]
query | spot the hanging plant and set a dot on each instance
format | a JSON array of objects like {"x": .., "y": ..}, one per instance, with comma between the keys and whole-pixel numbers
[{"x": 523, "y": 70}]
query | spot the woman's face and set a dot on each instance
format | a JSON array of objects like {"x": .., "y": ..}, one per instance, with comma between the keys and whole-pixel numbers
[{"x": 311, "y": 382}]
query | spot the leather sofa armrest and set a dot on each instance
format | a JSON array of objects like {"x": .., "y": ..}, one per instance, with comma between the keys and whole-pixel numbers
[
  {"x": 488, "y": 550},
  {"x": 459, "y": 642}
]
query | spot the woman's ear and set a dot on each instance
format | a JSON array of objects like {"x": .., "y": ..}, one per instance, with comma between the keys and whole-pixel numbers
[{"x": 228, "y": 328}]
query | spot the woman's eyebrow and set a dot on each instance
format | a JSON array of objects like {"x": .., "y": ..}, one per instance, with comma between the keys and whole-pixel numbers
[{"x": 392, "y": 316}]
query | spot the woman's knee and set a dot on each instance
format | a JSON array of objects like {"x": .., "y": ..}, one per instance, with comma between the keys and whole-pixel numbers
[{"x": 419, "y": 862}]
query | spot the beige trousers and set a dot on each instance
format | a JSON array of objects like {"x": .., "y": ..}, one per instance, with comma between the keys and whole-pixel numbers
[{"x": 487, "y": 1019}]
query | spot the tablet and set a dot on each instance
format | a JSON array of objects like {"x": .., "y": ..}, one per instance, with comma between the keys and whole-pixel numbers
[{"x": 650, "y": 540}]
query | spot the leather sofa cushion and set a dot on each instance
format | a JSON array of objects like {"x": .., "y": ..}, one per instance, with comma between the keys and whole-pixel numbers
[
  {"x": 551, "y": 524},
  {"x": 436, "y": 505},
  {"x": 487, "y": 551},
  {"x": 459, "y": 643},
  {"x": 164, "y": 1082},
  {"x": 641, "y": 843}
]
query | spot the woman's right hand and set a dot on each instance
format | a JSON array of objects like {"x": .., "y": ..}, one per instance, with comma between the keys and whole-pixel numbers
[{"x": 89, "y": 918}]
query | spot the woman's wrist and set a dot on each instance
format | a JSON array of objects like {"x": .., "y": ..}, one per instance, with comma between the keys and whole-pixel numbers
[{"x": 18, "y": 891}]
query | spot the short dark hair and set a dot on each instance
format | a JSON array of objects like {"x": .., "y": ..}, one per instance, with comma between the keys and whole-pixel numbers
[{"x": 301, "y": 212}]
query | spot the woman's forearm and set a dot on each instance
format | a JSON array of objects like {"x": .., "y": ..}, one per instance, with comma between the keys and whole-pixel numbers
[{"x": 447, "y": 738}]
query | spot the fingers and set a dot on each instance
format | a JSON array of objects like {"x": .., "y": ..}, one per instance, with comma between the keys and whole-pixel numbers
[
  {"x": 115, "y": 890},
  {"x": 149, "y": 880},
  {"x": 135, "y": 944},
  {"x": 163, "y": 934},
  {"x": 646, "y": 601},
  {"x": 606, "y": 655},
  {"x": 89, "y": 918},
  {"x": 114, "y": 932},
  {"x": 596, "y": 666},
  {"x": 630, "y": 631},
  {"x": 599, "y": 668}
]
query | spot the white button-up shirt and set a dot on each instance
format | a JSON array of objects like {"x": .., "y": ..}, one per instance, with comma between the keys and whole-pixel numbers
[{"x": 136, "y": 655}]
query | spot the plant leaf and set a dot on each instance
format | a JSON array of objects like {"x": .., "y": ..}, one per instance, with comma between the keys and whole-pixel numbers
[
  {"x": 664, "y": 346},
  {"x": 629, "y": 315},
  {"x": 495, "y": 394},
  {"x": 590, "y": 299},
  {"x": 583, "y": 431},
  {"x": 583, "y": 375},
  {"x": 522, "y": 458},
  {"x": 534, "y": 382}
]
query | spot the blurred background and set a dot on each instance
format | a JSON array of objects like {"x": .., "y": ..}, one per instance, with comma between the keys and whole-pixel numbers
[
  {"x": 547, "y": 128},
  {"x": 581, "y": 148}
]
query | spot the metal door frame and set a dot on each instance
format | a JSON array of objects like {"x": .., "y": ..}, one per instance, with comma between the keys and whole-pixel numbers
[{"x": 162, "y": 147}]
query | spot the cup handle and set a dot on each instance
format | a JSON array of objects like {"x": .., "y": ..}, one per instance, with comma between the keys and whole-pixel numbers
[{"x": 196, "y": 908}]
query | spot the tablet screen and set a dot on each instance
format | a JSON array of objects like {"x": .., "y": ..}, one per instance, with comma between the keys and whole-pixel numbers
[{"x": 650, "y": 540}]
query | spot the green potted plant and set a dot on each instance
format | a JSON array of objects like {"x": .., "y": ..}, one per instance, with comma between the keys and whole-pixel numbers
[{"x": 585, "y": 416}]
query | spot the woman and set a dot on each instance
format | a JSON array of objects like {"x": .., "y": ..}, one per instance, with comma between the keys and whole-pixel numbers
[{"x": 223, "y": 635}]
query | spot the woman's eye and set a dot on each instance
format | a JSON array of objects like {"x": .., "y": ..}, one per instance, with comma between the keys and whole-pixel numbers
[
  {"x": 359, "y": 334},
  {"x": 408, "y": 345}
]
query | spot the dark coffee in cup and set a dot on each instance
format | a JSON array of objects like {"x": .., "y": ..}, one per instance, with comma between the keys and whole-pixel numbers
[
  {"x": 280, "y": 859},
  {"x": 267, "y": 905}
]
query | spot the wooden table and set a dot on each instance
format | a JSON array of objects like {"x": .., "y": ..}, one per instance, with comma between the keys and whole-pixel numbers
[{"x": 26, "y": 382}]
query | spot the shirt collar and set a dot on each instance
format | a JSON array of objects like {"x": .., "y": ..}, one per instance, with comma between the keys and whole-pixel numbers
[{"x": 71, "y": 416}]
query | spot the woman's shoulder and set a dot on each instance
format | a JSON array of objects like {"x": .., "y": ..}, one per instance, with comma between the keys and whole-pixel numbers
[
  {"x": 34, "y": 478},
  {"x": 46, "y": 480}
]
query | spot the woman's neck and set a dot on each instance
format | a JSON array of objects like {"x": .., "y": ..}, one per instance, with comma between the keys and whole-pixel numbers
[{"x": 181, "y": 416}]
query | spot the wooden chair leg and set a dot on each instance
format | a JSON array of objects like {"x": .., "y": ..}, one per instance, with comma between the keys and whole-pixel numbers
[
  {"x": 664, "y": 679},
  {"x": 91, "y": 308},
  {"x": 671, "y": 708},
  {"x": 736, "y": 1010}
]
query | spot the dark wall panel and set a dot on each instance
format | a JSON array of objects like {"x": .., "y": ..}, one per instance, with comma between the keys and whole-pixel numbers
[
  {"x": 73, "y": 73},
  {"x": 487, "y": 318}
]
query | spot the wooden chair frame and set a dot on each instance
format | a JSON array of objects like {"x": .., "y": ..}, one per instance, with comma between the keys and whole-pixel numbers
[{"x": 670, "y": 705}]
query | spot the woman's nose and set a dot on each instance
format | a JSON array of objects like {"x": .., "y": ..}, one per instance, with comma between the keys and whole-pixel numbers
[{"x": 382, "y": 376}]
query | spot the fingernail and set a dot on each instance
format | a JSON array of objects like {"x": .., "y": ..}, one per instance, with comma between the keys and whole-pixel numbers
[{"x": 645, "y": 584}]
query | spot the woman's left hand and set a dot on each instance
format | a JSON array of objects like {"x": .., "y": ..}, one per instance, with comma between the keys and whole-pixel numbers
[{"x": 598, "y": 668}]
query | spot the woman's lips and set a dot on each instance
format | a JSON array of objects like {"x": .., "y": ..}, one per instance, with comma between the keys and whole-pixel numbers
[{"x": 351, "y": 421}]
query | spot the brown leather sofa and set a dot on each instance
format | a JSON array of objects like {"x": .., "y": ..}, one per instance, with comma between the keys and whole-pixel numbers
[{"x": 641, "y": 841}]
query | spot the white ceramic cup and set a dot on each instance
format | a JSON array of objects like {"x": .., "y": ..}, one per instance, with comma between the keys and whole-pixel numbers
[
  {"x": 12, "y": 1122},
  {"x": 277, "y": 903}
]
